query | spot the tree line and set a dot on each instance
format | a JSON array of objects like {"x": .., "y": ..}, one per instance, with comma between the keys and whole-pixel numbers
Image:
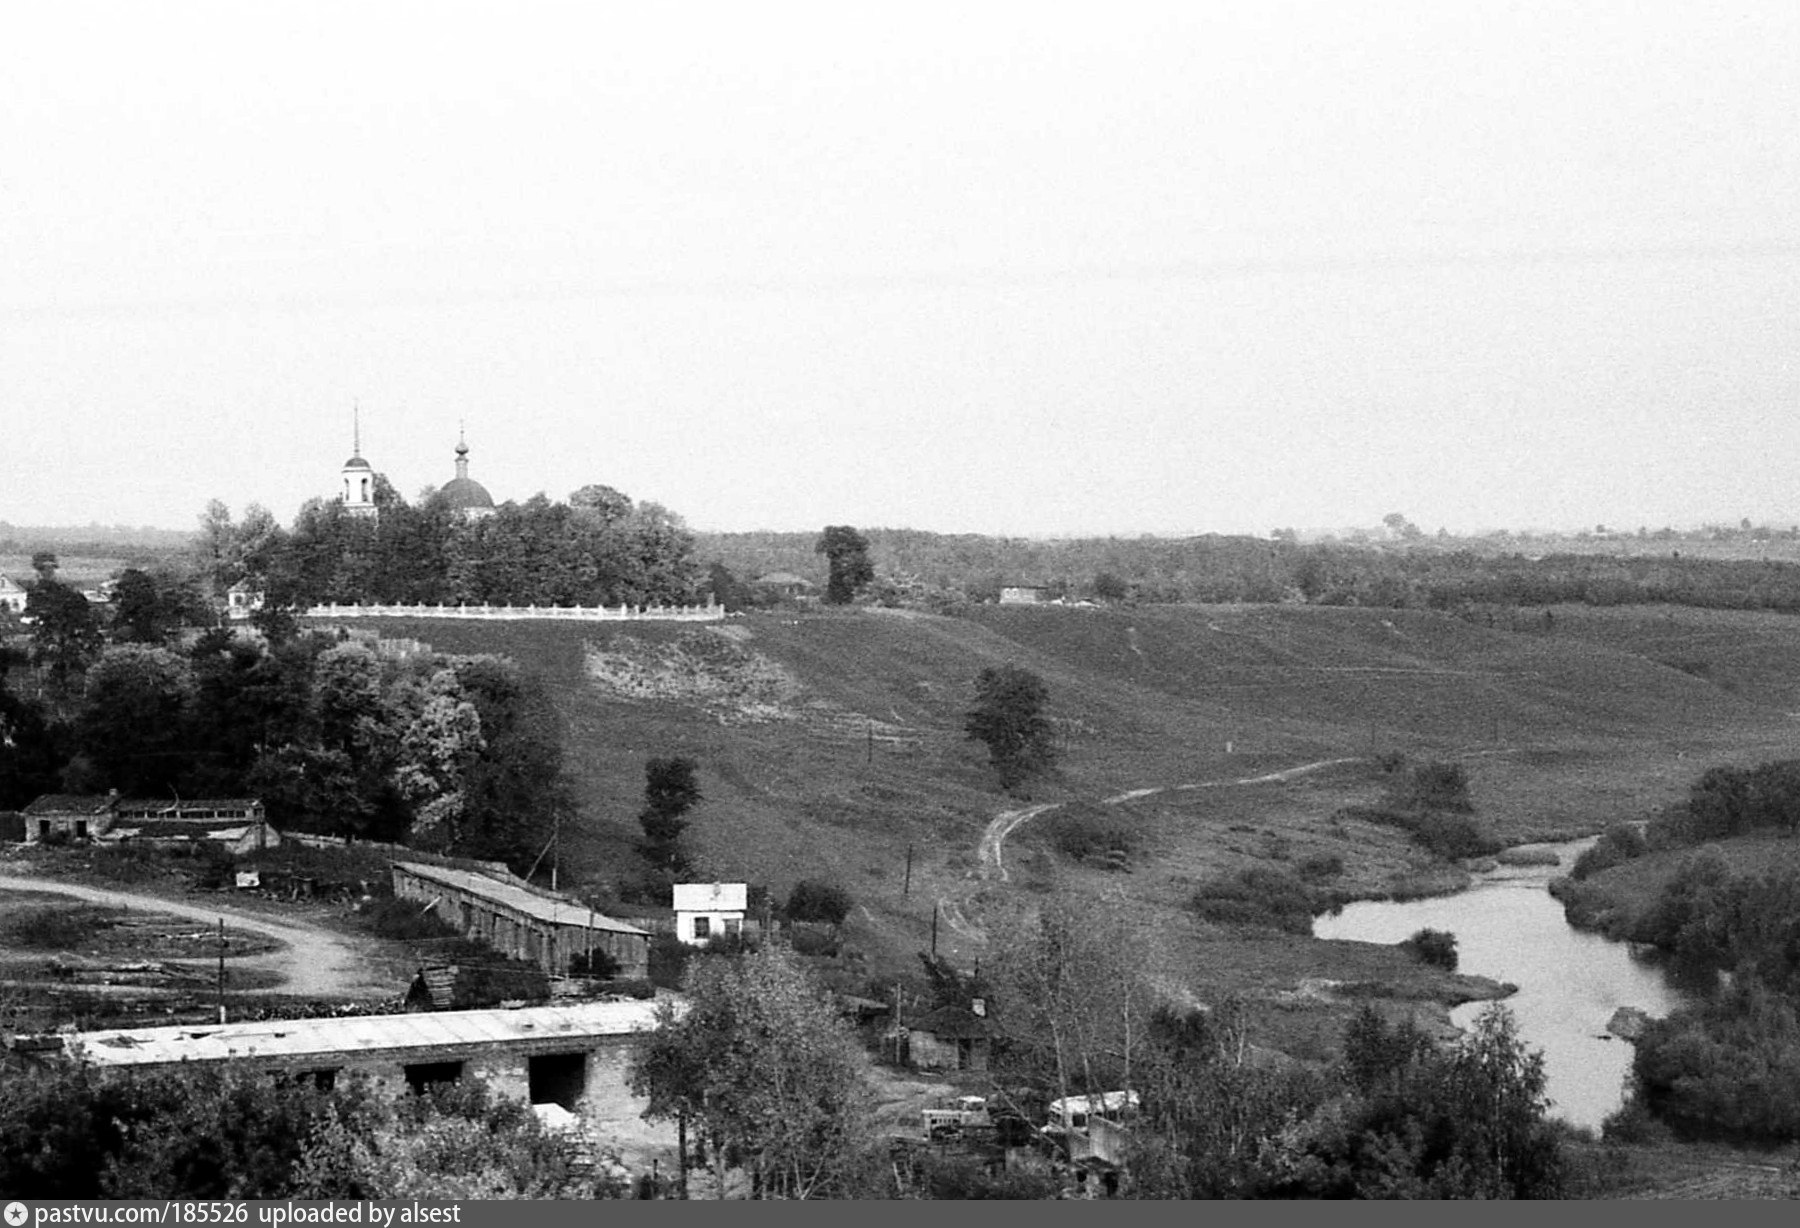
[
  {"x": 946, "y": 572},
  {"x": 597, "y": 548}
]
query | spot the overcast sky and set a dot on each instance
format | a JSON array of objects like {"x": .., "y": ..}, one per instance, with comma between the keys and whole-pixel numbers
[{"x": 1023, "y": 269}]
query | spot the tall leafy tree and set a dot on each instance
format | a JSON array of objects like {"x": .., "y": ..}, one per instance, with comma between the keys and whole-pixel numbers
[
  {"x": 1008, "y": 718},
  {"x": 846, "y": 553},
  {"x": 65, "y": 635},
  {"x": 761, "y": 1068},
  {"x": 671, "y": 789}
]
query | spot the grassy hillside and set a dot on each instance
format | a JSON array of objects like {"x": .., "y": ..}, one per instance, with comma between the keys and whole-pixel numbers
[{"x": 830, "y": 742}]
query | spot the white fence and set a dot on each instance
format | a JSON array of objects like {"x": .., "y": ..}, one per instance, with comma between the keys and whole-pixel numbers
[{"x": 710, "y": 612}]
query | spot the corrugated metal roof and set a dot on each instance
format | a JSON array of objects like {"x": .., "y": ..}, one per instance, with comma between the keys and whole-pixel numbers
[
  {"x": 295, "y": 1039},
  {"x": 556, "y": 912}
]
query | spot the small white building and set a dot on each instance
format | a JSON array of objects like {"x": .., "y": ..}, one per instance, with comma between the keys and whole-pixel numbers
[
  {"x": 12, "y": 595},
  {"x": 1021, "y": 594},
  {"x": 243, "y": 599},
  {"x": 703, "y": 911}
]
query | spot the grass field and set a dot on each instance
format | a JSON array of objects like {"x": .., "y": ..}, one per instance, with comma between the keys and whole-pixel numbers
[{"x": 830, "y": 743}]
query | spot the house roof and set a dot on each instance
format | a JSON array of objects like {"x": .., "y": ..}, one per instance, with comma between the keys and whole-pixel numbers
[
  {"x": 359, "y": 1034},
  {"x": 169, "y": 809},
  {"x": 783, "y": 577},
  {"x": 556, "y": 911},
  {"x": 72, "y": 803},
  {"x": 711, "y": 897},
  {"x": 954, "y": 1022}
]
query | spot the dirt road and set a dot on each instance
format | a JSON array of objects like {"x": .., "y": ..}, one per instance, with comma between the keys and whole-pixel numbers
[
  {"x": 991, "y": 864},
  {"x": 313, "y": 963}
]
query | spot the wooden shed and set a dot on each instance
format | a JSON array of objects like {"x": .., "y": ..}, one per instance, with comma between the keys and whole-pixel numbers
[{"x": 523, "y": 922}]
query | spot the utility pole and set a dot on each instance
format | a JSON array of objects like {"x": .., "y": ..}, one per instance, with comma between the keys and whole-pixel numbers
[
  {"x": 934, "y": 916},
  {"x": 221, "y": 969},
  {"x": 906, "y": 890}
]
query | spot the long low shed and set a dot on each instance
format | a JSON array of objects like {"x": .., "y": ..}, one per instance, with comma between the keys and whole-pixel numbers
[
  {"x": 546, "y": 930},
  {"x": 576, "y": 1056}
]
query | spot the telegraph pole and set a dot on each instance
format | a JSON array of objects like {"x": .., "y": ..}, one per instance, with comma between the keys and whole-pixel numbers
[
  {"x": 221, "y": 969},
  {"x": 906, "y": 890}
]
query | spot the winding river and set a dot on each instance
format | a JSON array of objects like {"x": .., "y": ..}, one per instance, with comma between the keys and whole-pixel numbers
[{"x": 1510, "y": 928}]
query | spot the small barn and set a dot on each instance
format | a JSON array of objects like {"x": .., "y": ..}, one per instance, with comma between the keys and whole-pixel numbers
[
  {"x": 70, "y": 816},
  {"x": 951, "y": 1038},
  {"x": 704, "y": 911},
  {"x": 522, "y": 922},
  {"x": 238, "y": 824}
]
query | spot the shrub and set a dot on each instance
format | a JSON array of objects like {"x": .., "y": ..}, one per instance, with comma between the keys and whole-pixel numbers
[
  {"x": 1319, "y": 867},
  {"x": 642, "y": 990},
  {"x": 813, "y": 900},
  {"x": 1432, "y": 786},
  {"x": 404, "y": 920},
  {"x": 1447, "y": 835},
  {"x": 668, "y": 960},
  {"x": 1091, "y": 835},
  {"x": 1434, "y": 947},
  {"x": 806, "y": 940},
  {"x": 1619, "y": 844},
  {"x": 1260, "y": 895},
  {"x": 596, "y": 964},
  {"x": 56, "y": 927}
]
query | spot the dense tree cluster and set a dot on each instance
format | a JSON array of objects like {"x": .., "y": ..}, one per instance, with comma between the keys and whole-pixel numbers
[
  {"x": 599, "y": 548},
  {"x": 460, "y": 754},
  {"x": 227, "y": 1134}
]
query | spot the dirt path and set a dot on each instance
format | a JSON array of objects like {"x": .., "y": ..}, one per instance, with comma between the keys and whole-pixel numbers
[
  {"x": 991, "y": 864},
  {"x": 314, "y": 962}
]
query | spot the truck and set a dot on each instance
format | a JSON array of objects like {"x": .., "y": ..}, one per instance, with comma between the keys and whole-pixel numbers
[{"x": 954, "y": 1117}]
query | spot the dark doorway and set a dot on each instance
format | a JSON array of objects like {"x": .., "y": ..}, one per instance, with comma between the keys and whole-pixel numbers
[
  {"x": 558, "y": 1078},
  {"x": 423, "y": 1076}
]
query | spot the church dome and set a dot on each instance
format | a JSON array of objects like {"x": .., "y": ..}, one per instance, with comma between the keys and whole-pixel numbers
[
  {"x": 465, "y": 493},
  {"x": 462, "y": 492},
  {"x": 357, "y": 462}
]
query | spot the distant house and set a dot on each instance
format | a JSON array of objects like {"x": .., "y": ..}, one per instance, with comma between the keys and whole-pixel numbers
[
  {"x": 952, "y": 1038},
  {"x": 70, "y": 816},
  {"x": 1021, "y": 595},
  {"x": 523, "y": 922},
  {"x": 243, "y": 599},
  {"x": 783, "y": 584},
  {"x": 705, "y": 910},
  {"x": 12, "y": 595}
]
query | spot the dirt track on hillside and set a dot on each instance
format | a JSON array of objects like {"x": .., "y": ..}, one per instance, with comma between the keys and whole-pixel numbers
[
  {"x": 313, "y": 962},
  {"x": 989, "y": 852}
]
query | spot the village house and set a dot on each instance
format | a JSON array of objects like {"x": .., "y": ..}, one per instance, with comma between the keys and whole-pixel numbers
[
  {"x": 783, "y": 585},
  {"x": 575, "y": 1056},
  {"x": 70, "y": 816},
  {"x": 704, "y": 911},
  {"x": 243, "y": 599},
  {"x": 523, "y": 922},
  {"x": 12, "y": 595},
  {"x": 1021, "y": 595},
  {"x": 951, "y": 1038}
]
